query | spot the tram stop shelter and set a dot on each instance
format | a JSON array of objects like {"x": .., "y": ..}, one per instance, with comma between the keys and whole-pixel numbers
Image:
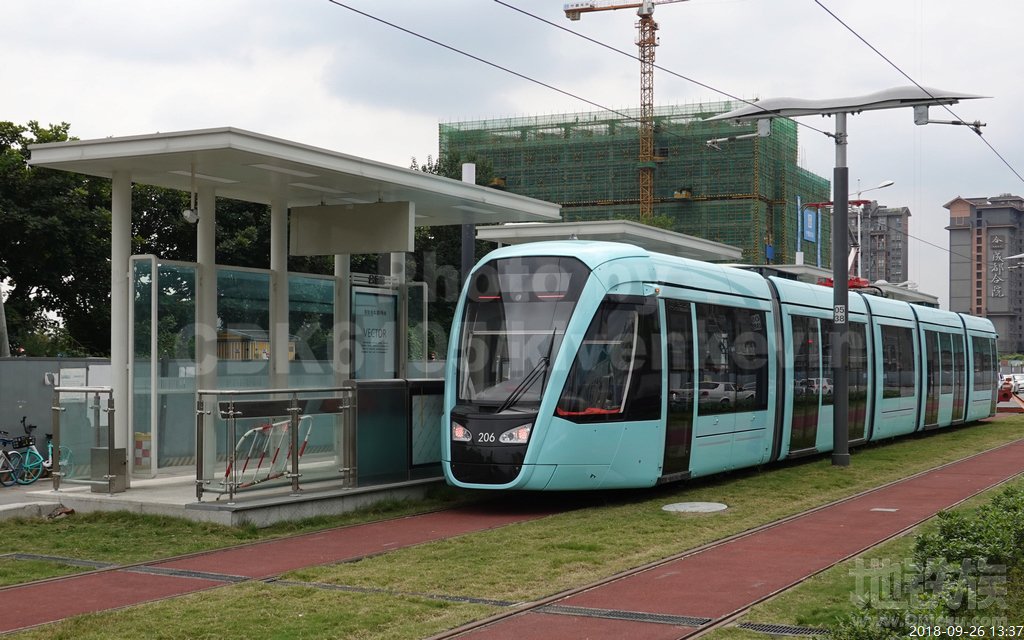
[
  {"x": 628, "y": 231},
  {"x": 215, "y": 318}
]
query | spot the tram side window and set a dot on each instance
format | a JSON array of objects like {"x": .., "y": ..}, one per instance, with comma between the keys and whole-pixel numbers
[
  {"x": 680, "y": 356},
  {"x": 616, "y": 374},
  {"x": 733, "y": 358},
  {"x": 856, "y": 366},
  {"x": 897, "y": 362},
  {"x": 856, "y": 373},
  {"x": 806, "y": 371},
  {"x": 946, "y": 356},
  {"x": 984, "y": 363},
  {"x": 933, "y": 367}
]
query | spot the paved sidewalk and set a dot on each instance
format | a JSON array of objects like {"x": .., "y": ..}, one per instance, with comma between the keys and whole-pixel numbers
[{"x": 34, "y": 604}]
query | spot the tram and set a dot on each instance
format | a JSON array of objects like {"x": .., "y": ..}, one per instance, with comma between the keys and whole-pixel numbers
[{"x": 597, "y": 365}]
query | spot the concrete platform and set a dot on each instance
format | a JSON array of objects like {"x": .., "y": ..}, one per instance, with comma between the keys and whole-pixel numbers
[{"x": 174, "y": 494}]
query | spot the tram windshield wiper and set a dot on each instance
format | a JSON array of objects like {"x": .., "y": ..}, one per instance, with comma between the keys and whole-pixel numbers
[{"x": 539, "y": 370}]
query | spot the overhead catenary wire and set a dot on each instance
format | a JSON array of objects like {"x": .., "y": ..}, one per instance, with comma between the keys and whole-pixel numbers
[
  {"x": 574, "y": 96},
  {"x": 719, "y": 91},
  {"x": 541, "y": 83},
  {"x": 656, "y": 66},
  {"x": 733, "y": 97},
  {"x": 918, "y": 85},
  {"x": 481, "y": 60}
]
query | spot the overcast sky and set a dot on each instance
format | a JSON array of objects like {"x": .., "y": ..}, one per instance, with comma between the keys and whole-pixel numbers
[{"x": 314, "y": 72}]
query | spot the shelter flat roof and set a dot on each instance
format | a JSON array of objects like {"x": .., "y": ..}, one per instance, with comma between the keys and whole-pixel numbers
[
  {"x": 253, "y": 167},
  {"x": 635, "y": 233}
]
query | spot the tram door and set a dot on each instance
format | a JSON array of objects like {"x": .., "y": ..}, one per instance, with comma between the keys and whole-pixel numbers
[
  {"x": 959, "y": 378},
  {"x": 939, "y": 394},
  {"x": 679, "y": 425},
  {"x": 807, "y": 383}
]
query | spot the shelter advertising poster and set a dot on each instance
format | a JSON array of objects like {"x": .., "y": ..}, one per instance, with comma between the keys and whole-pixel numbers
[{"x": 374, "y": 331}]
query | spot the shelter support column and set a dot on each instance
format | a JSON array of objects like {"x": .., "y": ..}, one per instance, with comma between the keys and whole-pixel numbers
[
  {"x": 342, "y": 359},
  {"x": 206, "y": 313},
  {"x": 402, "y": 336},
  {"x": 278, "y": 294},
  {"x": 120, "y": 253}
]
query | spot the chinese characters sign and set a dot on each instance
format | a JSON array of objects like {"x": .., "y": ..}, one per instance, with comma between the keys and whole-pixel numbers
[{"x": 997, "y": 267}]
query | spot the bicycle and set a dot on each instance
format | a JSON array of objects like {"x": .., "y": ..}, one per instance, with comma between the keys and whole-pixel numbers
[
  {"x": 10, "y": 461},
  {"x": 33, "y": 465}
]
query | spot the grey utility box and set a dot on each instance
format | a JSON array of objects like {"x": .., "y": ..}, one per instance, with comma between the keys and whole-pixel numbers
[{"x": 104, "y": 461}]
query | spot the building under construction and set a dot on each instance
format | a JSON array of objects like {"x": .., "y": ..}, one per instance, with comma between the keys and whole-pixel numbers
[{"x": 741, "y": 192}]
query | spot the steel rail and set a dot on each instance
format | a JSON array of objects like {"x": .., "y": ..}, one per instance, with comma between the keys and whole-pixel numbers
[{"x": 727, "y": 619}]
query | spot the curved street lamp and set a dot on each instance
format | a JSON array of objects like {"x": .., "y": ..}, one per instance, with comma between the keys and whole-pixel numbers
[{"x": 917, "y": 97}]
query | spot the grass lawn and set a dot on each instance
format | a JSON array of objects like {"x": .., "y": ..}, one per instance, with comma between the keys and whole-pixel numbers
[
  {"x": 608, "y": 532},
  {"x": 121, "y": 537}
]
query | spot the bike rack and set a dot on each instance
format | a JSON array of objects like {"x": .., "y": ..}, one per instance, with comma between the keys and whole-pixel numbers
[
  {"x": 111, "y": 477},
  {"x": 297, "y": 408}
]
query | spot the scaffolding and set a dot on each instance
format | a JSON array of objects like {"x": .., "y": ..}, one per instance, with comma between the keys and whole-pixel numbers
[{"x": 744, "y": 193}]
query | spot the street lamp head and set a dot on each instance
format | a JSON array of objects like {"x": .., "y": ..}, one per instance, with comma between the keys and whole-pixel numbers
[
  {"x": 884, "y": 184},
  {"x": 908, "y": 96}
]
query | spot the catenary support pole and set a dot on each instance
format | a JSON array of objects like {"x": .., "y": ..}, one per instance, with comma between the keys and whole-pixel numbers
[{"x": 841, "y": 300}]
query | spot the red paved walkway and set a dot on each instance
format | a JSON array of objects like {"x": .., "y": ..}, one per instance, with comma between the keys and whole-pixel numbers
[
  {"x": 731, "y": 577},
  {"x": 35, "y": 604}
]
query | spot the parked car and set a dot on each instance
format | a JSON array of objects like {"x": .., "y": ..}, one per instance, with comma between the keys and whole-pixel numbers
[
  {"x": 1006, "y": 380},
  {"x": 1018, "y": 382},
  {"x": 723, "y": 393},
  {"x": 680, "y": 397},
  {"x": 811, "y": 386},
  {"x": 1006, "y": 389},
  {"x": 825, "y": 384}
]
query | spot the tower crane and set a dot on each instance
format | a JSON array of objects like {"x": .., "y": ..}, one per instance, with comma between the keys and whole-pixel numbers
[{"x": 646, "y": 41}]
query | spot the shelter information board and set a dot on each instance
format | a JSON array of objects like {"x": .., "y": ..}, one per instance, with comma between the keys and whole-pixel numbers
[
  {"x": 374, "y": 333},
  {"x": 810, "y": 225}
]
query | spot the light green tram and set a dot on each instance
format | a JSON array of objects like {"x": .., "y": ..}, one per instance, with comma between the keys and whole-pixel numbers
[{"x": 596, "y": 365}]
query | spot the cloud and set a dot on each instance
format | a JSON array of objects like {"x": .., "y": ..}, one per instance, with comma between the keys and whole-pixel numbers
[{"x": 320, "y": 74}]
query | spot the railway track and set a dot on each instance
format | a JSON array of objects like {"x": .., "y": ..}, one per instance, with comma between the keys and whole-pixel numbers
[
  {"x": 122, "y": 585},
  {"x": 699, "y": 626}
]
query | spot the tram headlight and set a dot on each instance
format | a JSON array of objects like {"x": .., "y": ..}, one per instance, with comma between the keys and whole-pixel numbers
[
  {"x": 518, "y": 435},
  {"x": 460, "y": 433}
]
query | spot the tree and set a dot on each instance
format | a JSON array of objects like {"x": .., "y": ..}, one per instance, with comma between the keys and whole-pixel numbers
[
  {"x": 54, "y": 252},
  {"x": 55, "y": 249}
]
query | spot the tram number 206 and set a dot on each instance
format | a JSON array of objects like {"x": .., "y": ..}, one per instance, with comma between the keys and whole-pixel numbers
[{"x": 485, "y": 437}]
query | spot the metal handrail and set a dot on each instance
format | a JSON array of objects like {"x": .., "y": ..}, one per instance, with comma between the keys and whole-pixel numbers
[
  {"x": 55, "y": 471},
  {"x": 84, "y": 389},
  {"x": 253, "y": 392},
  {"x": 349, "y": 436}
]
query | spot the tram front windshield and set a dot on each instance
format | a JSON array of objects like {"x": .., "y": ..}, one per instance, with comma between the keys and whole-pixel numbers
[{"x": 514, "y": 320}]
